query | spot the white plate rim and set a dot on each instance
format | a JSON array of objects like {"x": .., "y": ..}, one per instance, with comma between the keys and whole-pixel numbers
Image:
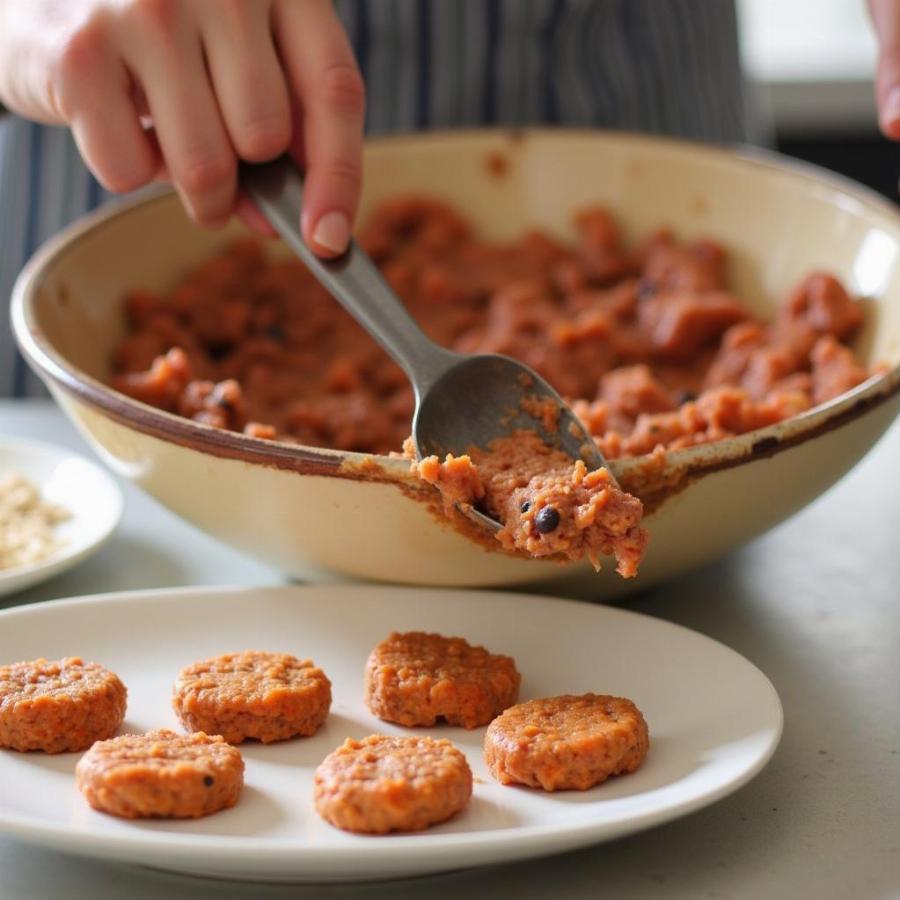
[
  {"x": 149, "y": 847},
  {"x": 65, "y": 558}
]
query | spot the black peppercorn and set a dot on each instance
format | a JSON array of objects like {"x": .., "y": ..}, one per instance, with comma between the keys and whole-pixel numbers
[
  {"x": 208, "y": 780},
  {"x": 218, "y": 352},
  {"x": 525, "y": 507},
  {"x": 547, "y": 520}
]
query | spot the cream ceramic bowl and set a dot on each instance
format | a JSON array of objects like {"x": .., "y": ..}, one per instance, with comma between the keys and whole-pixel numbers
[{"x": 312, "y": 512}]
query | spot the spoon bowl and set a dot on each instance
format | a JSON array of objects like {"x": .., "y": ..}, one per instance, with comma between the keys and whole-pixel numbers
[{"x": 480, "y": 398}]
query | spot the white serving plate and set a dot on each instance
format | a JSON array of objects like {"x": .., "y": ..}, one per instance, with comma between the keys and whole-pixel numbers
[
  {"x": 92, "y": 498},
  {"x": 714, "y": 719}
]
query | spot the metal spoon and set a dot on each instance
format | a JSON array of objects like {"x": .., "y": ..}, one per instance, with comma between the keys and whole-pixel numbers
[{"x": 461, "y": 399}]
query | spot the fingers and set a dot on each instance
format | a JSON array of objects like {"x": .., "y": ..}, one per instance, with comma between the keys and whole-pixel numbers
[
  {"x": 248, "y": 212},
  {"x": 198, "y": 155},
  {"x": 218, "y": 81},
  {"x": 93, "y": 91},
  {"x": 248, "y": 79},
  {"x": 330, "y": 97},
  {"x": 111, "y": 140},
  {"x": 886, "y": 18},
  {"x": 887, "y": 86}
]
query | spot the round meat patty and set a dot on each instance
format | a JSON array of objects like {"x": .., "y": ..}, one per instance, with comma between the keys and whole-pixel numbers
[
  {"x": 58, "y": 706},
  {"x": 264, "y": 696},
  {"x": 382, "y": 784},
  {"x": 161, "y": 774},
  {"x": 566, "y": 743},
  {"x": 417, "y": 678}
]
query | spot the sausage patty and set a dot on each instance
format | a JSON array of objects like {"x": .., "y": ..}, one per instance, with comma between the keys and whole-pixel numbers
[
  {"x": 161, "y": 774},
  {"x": 382, "y": 784},
  {"x": 416, "y": 678},
  {"x": 565, "y": 743},
  {"x": 58, "y": 706},
  {"x": 264, "y": 696}
]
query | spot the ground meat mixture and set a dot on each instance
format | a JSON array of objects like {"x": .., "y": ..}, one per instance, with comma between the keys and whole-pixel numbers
[
  {"x": 646, "y": 342},
  {"x": 161, "y": 774},
  {"x": 631, "y": 333},
  {"x": 548, "y": 504},
  {"x": 567, "y": 742},
  {"x": 416, "y": 678},
  {"x": 58, "y": 706},
  {"x": 262, "y": 696},
  {"x": 382, "y": 784}
]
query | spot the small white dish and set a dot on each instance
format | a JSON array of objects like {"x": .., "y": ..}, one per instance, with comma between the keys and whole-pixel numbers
[
  {"x": 92, "y": 498},
  {"x": 714, "y": 720}
]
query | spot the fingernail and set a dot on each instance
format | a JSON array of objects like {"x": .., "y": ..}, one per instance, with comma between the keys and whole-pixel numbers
[{"x": 333, "y": 232}]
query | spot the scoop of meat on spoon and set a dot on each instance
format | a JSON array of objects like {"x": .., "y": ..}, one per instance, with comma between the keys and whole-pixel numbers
[{"x": 461, "y": 399}]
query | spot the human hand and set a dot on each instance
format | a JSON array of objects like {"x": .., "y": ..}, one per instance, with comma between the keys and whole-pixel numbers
[
  {"x": 183, "y": 89},
  {"x": 886, "y": 18}
]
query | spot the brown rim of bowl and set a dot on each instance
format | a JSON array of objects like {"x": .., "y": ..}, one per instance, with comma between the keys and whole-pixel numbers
[{"x": 696, "y": 460}]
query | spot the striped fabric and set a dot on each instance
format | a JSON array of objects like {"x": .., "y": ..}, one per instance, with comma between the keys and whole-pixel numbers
[{"x": 665, "y": 66}]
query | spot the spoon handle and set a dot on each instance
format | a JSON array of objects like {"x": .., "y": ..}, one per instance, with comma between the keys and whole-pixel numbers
[{"x": 353, "y": 279}]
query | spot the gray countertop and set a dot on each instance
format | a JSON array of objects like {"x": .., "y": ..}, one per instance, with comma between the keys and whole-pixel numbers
[{"x": 815, "y": 604}]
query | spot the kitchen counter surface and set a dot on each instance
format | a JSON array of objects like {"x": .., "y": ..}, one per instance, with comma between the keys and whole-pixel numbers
[{"x": 815, "y": 604}]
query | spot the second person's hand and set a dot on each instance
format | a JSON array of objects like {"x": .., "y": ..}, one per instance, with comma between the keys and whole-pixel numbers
[
  {"x": 183, "y": 89},
  {"x": 886, "y": 19}
]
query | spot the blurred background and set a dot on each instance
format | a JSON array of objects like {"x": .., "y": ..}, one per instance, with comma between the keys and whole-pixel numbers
[{"x": 811, "y": 64}]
